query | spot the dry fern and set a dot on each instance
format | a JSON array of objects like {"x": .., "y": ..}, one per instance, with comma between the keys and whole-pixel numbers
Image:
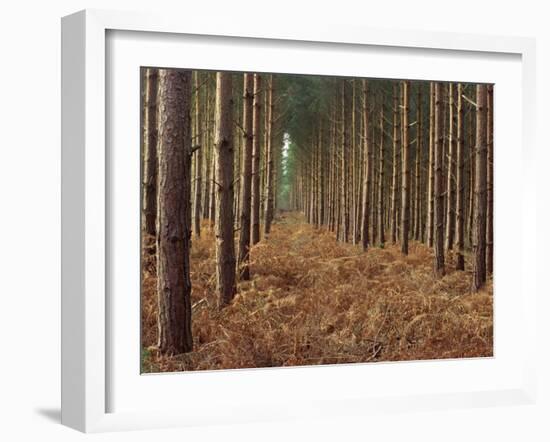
[{"x": 313, "y": 300}]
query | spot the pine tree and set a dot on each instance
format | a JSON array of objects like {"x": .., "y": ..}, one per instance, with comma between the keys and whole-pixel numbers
[
  {"x": 268, "y": 213},
  {"x": 149, "y": 202},
  {"x": 450, "y": 194},
  {"x": 490, "y": 179},
  {"x": 480, "y": 201},
  {"x": 405, "y": 174},
  {"x": 198, "y": 162},
  {"x": 459, "y": 180},
  {"x": 439, "y": 142},
  {"x": 174, "y": 212},
  {"x": 380, "y": 215},
  {"x": 225, "y": 242},
  {"x": 367, "y": 165},
  {"x": 246, "y": 177},
  {"x": 256, "y": 149},
  {"x": 395, "y": 166},
  {"x": 431, "y": 161}
]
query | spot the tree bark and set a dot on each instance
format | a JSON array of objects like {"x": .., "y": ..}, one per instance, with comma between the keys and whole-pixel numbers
[
  {"x": 490, "y": 178},
  {"x": 450, "y": 222},
  {"x": 480, "y": 203},
  {"x": 150, "y": 139},
  {"x": 198, "y": 162},
  {"x": 344, "y": 172},
  {"x": 417, "y": 175},
  {"x": 439, "y": 142},
  {"x": 225, "y": 242},
  {"x": 213, "y": 160},
  {"x": 395, "y": 168},
  {"x": 256, "y": 149},
  {"x": 367, "y": 163},
  {"x": 206, "y": 151},
  {"x": 405, "y": 171},
  {"x": 430, "y": 211},
  {"x": 246, "y": 177},
  {"x": 174, "y": 212},
  {"x": 459, "y": 180},
  {"x": 268, "y": 217},
  {"x": 472, "y": 172},
  {"x": 380, "y": 216},
  {"x": 356, "y": 205}
]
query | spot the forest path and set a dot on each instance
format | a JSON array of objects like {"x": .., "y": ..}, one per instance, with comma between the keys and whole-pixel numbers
[{"x": 313, "y": 300}]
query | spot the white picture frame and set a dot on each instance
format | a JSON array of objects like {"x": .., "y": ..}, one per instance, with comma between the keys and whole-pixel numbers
[{"x": 86, "y": 203}]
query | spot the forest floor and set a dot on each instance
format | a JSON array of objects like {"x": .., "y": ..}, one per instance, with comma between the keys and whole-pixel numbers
[{"x": 312, "y": 300}]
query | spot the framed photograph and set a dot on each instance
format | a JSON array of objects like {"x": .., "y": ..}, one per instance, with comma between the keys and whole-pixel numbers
[{"x": 281, "y": 223}]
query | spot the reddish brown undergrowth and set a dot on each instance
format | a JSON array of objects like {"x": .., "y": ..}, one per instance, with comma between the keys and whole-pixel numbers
[{"x": 315, "y": 301}]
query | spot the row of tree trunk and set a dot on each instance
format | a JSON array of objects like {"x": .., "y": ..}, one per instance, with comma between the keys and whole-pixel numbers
[
  {"x": 201, "y": 138},
  {"x": 371, "y": 160},
  {"x": 405, "y": 161}
]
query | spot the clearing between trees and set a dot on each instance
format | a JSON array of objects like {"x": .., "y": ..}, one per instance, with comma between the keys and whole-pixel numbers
[{"x": 312, "y": 300}]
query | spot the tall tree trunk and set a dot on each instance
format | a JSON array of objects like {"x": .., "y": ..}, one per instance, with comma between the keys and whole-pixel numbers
[
  {"x": 490, "y": 178},
  {"x": 246, "y": 177},
  {"x": 335, "y": 183},
  {"x": 373, "y": 194},
  {"x": 430, "y": 211},
  {"x": 439, "y": 142},
  {"x": 472, "y": 143},
  {"x": 480, "y": 203},
  {"x": 213, "y": 178},
  {"x": 459, "y": 180},
  {"x": 344, "y": 174},
  {"x": 150, "y": 139},
  {"x": 367, "y": 165},
  {"x": 380, "y": 216},
  {"x": 238, "y": 141},
  {"x": 256, "y": 149},
  {"x": 396, "y": 142},
  {"x": 268, "y": 217},
  {"x": 198, "y": 161},
  {"x": 207, "y": 151},
  {"x": 354, "y": 193},
  {"x": 405, "y": 169},
  {"x": 449, "y": 230},
  {"x": 174, "y": 212},
  {"x": 417, "y": 175},
  {"x": 225, "y": 242},
  {"x": 321, "y": 175}
]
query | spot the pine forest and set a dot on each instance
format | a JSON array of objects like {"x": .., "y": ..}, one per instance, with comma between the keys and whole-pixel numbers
[{"x": 303, "y": 220}]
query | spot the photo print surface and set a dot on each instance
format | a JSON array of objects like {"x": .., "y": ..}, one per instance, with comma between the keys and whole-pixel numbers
[{"x": 301, "y": 220}]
